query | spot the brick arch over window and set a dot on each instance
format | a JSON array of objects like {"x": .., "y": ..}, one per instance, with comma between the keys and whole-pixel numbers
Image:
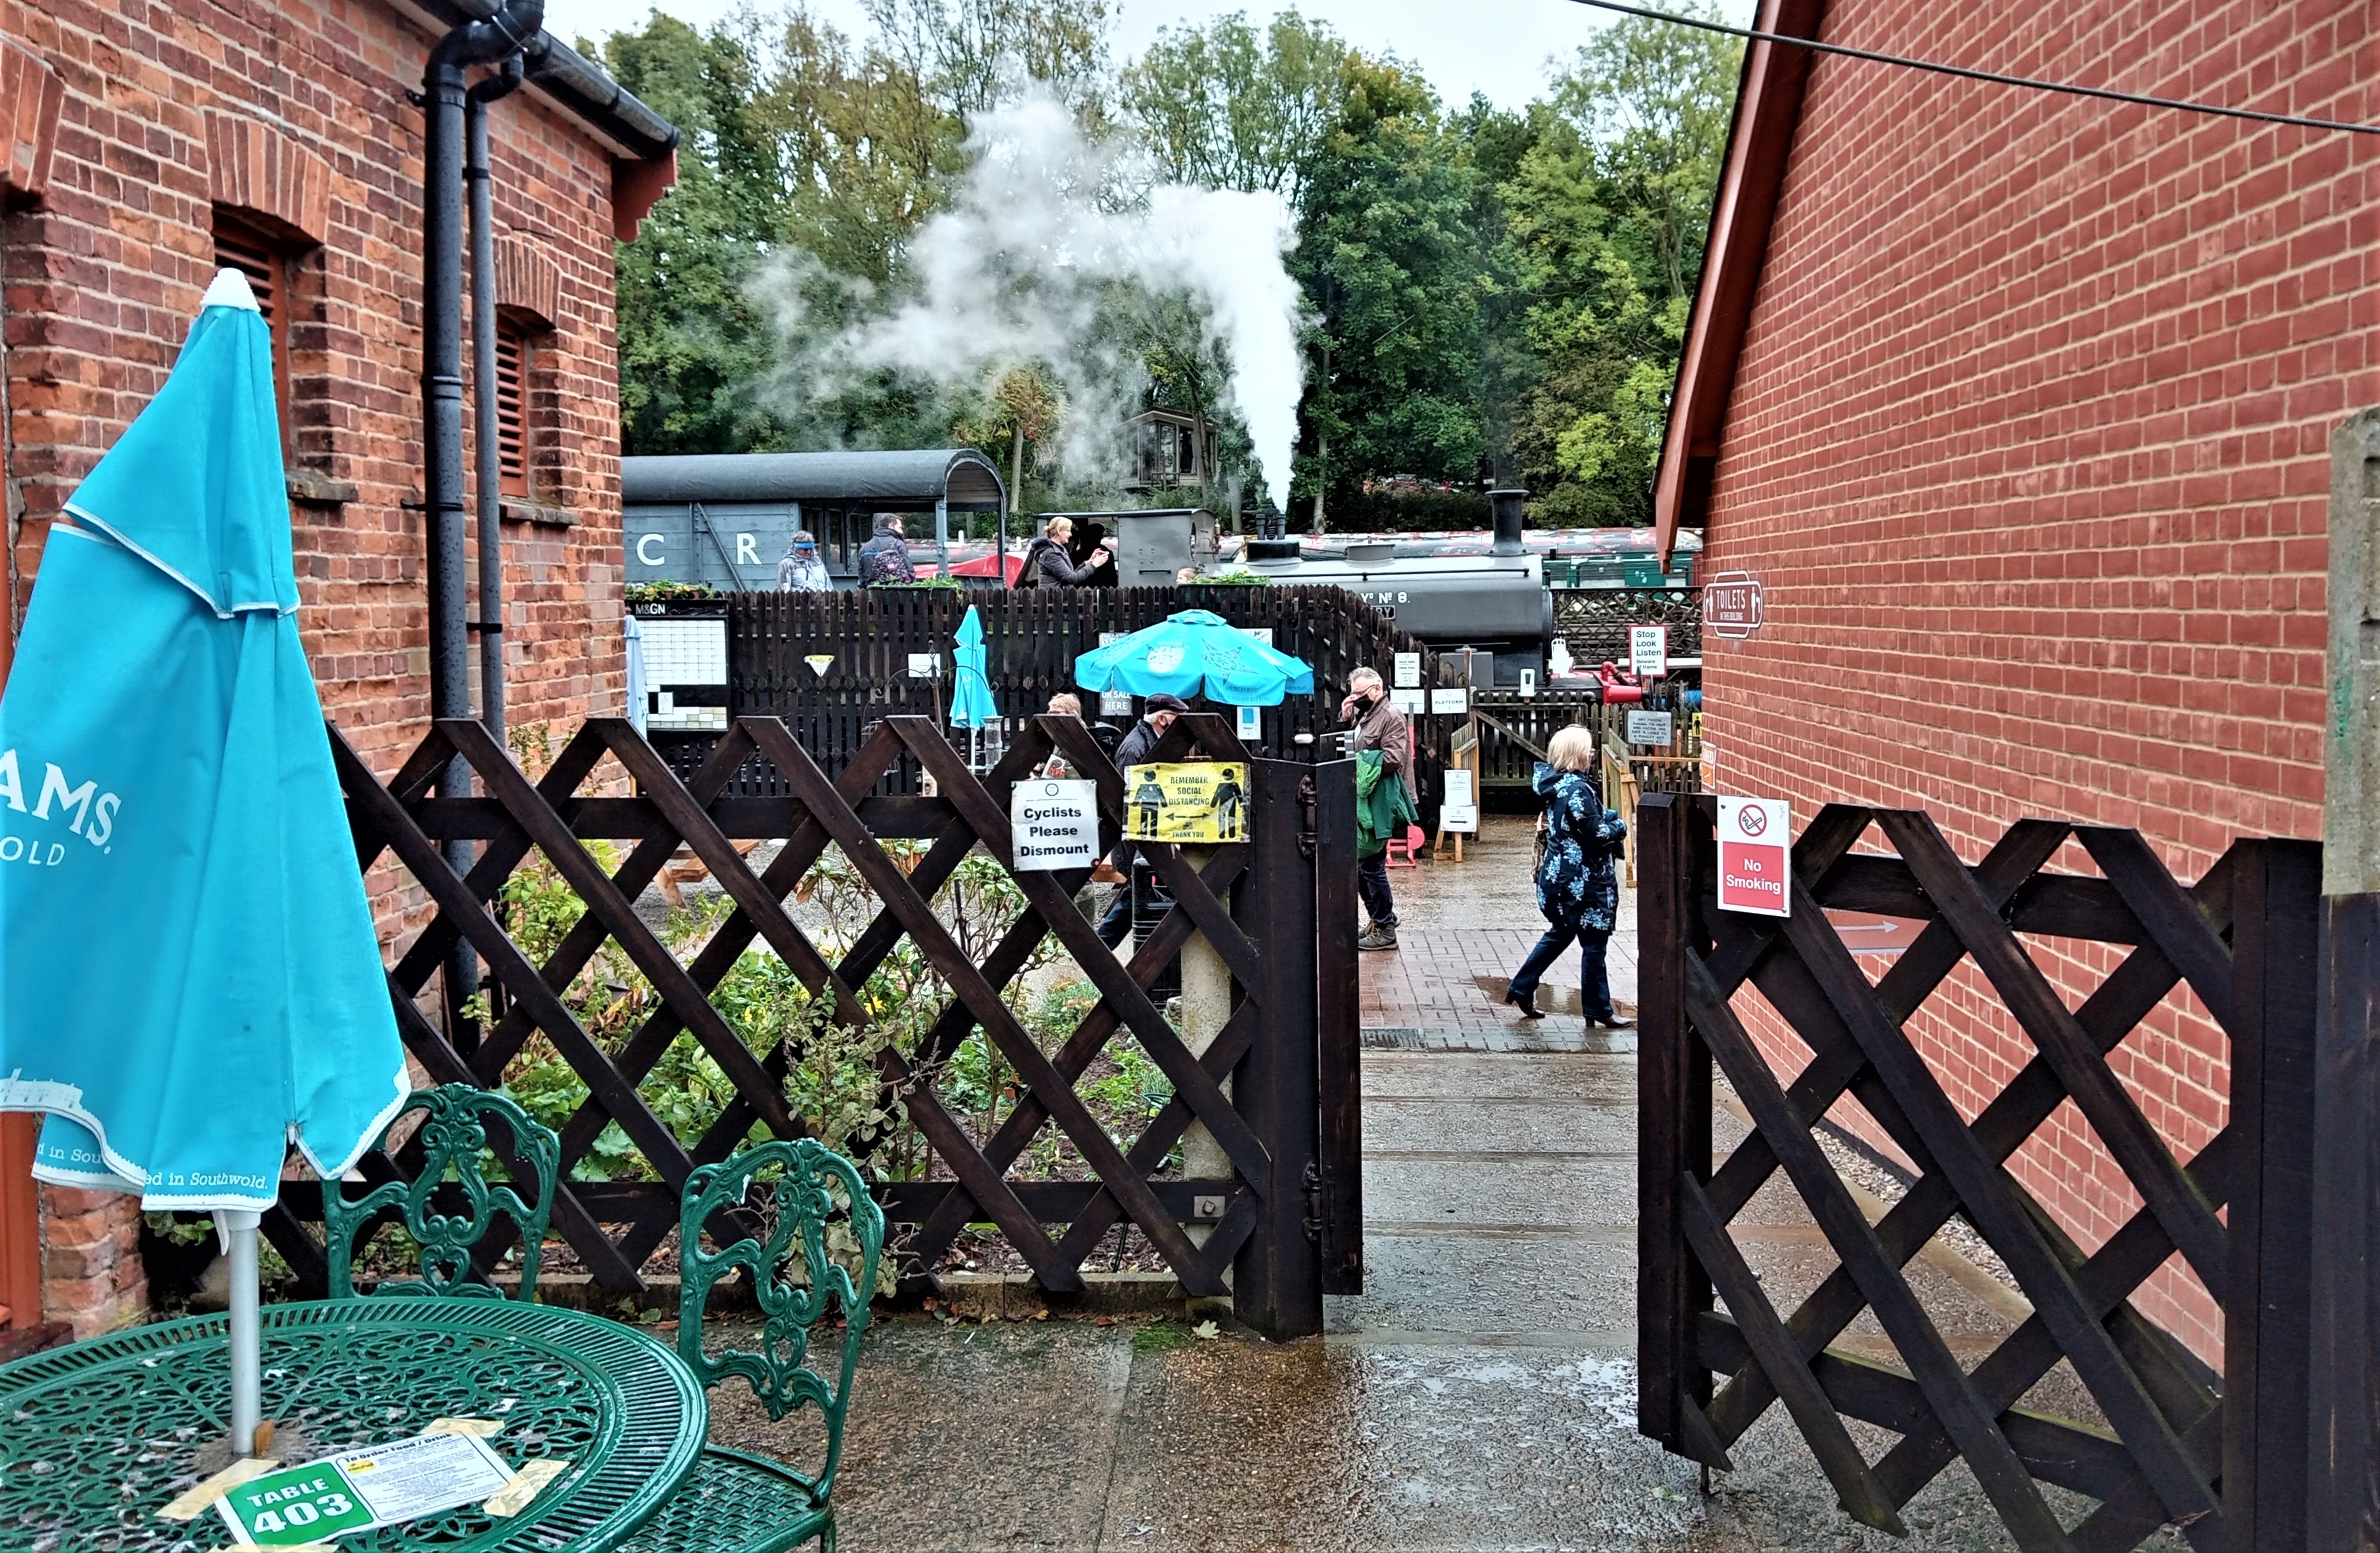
[
  {"x": 268, "y": 177},
  {"x": 529, "y": 285},
  {"x": 31, "y": 96}
]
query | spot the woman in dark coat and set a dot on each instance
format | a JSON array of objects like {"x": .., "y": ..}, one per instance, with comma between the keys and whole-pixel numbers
[{"x": 1578, "y": 890}]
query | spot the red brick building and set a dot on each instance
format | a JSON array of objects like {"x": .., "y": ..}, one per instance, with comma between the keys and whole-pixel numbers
[
  {"x": 151, "y": 143},
  {"x": 2018, "y": 406}
]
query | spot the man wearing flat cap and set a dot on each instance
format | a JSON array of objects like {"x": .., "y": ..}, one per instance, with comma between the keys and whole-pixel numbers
[{"x": 1156, "y": 715}]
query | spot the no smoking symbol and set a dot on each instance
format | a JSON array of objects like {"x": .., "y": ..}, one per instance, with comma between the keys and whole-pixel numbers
[{"x": 1752, "y": 820}]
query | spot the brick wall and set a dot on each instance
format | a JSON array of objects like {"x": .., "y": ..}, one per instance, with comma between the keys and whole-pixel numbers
[
  {"x": 2029, "y": 448},
  {"x": 103, "y": 275},
  {"x": 296, "y": 115}
]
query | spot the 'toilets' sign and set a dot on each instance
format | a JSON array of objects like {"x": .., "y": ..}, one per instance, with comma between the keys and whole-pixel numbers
[{"x": 1754, "y": 869}]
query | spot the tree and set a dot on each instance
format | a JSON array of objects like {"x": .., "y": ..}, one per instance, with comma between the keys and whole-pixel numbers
[
  {"x": 693, "y": 347},
  {"x": 1605, "y": 212},
  {"x": 1216, "y": 107},
  {"x": 1024, "y": 406},
  {"x": 1389, "y": 256}
]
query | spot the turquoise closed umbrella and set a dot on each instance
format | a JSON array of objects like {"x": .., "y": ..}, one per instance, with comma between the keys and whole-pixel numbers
[
  {"x": 1195, "y": 652},
  {"x": 971, "y": 702},
  {"x": 190, "y": 979}
]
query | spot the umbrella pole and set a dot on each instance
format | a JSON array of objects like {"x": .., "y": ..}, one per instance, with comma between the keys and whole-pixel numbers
[{"x": 246, "y": 1334}]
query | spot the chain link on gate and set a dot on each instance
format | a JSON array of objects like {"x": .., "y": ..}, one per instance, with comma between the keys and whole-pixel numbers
[{"x": 1254, "y": 902}]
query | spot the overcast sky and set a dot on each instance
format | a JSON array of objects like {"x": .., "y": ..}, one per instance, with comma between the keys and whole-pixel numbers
[{"x": 1496, "y": 46}]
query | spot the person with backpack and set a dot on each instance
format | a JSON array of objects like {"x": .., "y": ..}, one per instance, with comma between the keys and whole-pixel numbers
[
  {"x": 885, "y": 559},
  {"x": 1048, "y": 564}
]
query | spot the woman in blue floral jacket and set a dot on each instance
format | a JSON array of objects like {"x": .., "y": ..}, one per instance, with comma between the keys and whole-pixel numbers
[{"x": 1578, "y": 890}]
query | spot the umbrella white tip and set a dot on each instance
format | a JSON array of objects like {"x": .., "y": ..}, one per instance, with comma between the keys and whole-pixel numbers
[{"x": 230, "y": 290}]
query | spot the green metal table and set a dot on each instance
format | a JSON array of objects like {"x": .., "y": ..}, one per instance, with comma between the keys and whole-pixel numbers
[{"x": 97, "y": 1437}]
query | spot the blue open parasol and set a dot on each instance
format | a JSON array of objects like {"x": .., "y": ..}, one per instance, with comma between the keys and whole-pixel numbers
[
  {"x": 1195, "y": 652},
  {"x": 189, "y": 980}
]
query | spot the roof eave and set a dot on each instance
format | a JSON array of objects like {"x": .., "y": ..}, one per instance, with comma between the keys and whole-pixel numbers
[
  {"x": 1768, "y": 112},
  {"x": 563, "y": 76}
]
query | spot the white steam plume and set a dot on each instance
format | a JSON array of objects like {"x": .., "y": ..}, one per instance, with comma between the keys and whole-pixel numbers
[{"x": 1026, "y": 267}]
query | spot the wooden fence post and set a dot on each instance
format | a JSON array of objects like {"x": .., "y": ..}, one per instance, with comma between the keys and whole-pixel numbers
[
  {"x": 1670, "y": 1072},
  {"x": 2267, "y": 1306},
  {"x": 1277, "y": 1280},
  {"x": 1340, "y": 1016}
]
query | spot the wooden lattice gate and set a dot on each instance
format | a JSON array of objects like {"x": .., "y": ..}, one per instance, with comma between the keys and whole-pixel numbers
[
  {"x": 1259, "y": 1234},
  {"x": 2221, "y": 1455}
]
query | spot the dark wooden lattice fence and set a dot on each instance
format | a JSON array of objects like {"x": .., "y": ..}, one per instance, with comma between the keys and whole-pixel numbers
[
  {"x": 2222, "y": 1456},
  {"x": 1269, "y": 1220}
]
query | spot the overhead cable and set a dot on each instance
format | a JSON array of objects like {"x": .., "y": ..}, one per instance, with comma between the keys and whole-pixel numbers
[{"x": 2071, "y": 89}]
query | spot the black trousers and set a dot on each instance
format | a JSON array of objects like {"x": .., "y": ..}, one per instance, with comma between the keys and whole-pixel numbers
[{"x": 1372, "y": 887}]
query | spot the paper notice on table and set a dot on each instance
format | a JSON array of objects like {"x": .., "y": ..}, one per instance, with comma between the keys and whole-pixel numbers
[{"x": 358, "y": 1490}]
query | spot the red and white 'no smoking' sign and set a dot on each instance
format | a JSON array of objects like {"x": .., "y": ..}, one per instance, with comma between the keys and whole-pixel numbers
[{"x": 1753, "y": 874}]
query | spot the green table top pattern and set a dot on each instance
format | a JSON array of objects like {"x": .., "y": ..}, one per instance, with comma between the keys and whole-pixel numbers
[{"x": 96, "y": 1436}]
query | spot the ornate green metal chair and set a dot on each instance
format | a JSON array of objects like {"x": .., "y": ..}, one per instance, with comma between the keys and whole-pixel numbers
[
  {"x": 453, "y": 1139},
  {"x": 799, "y": 1269}
]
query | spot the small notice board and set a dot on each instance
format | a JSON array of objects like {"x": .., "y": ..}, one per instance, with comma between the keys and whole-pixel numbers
[
  {"x": 1199, "y": 803},
  {"x": 1649, "y": 651},
  {"x": 1053, "y": 825},
  {"x": 1754, "y": 870}
]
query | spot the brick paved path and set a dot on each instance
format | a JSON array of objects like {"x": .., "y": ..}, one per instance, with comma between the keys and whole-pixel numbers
[{"x": 1464, "y": 928}]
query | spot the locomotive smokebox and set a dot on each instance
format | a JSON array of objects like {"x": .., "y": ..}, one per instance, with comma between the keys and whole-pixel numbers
[{"x": 1505, "y": 506}]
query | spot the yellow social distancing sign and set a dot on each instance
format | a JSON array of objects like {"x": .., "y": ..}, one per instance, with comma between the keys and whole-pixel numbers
[{"x": 1197, "y": 803}]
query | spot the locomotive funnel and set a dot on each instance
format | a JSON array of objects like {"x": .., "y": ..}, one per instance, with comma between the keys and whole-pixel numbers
[{"x": 1506, "y": 507}]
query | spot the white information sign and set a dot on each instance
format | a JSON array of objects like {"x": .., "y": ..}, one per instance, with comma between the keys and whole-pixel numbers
[
  {"x": 355, "y": 1490},
  {"x": 1262, "y": 633},
  {"x": 1651, "y": 727},
  {"x": 925, "y": 666},
  {"x": 1408, "y": 671},
  {"x": 1459, "y": 791},
  {"x": 1461, "y": 817},
  {"x": 1053, "y": 825},
  {"x": 1649, "y": 651},
  {"x": 1453, "y": 703},
  {"x": 1411, "y": 703},
  {"x": 1251, "y": 722},
  {"x": 1754, "y": 869}
]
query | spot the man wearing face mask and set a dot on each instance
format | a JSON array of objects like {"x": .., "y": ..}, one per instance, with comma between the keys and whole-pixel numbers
[{"x": 1378, "y": 726}]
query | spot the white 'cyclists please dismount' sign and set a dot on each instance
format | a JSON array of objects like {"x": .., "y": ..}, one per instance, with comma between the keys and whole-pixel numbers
[{"x": 1053, "y": 825}]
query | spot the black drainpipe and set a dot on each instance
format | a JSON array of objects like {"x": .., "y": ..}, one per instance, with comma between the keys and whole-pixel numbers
[
  {"x": 444, "y": 89},
  {"x": 489, "y": 475}
]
